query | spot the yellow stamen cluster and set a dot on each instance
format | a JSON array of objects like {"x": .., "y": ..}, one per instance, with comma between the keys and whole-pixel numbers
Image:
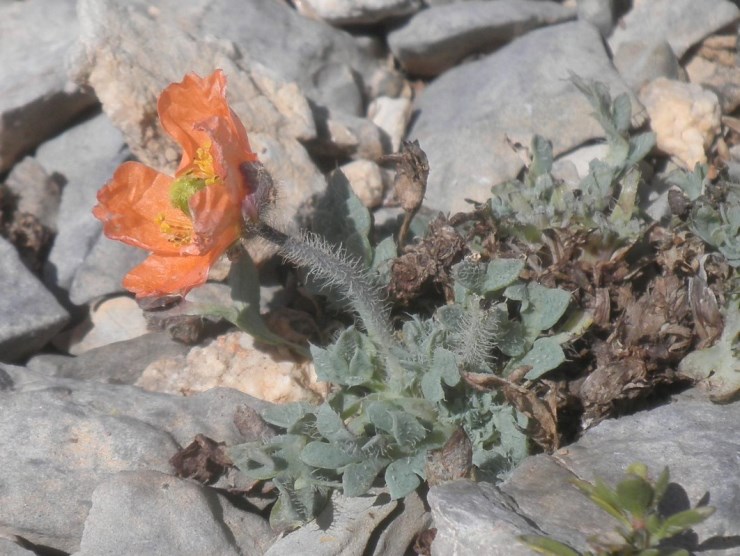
[
  {"x": 203, "y": 164},
  {"x": 177, "y": 233}
]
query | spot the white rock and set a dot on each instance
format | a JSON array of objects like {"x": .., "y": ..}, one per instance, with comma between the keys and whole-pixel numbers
[
  {"x": 114, "y": 320},
  {"x": 342, "y": 12},
  {"x": 29, "y": 315},
  {"x": 682, "y": 23},
  {"x": 721, "y": 78},
  {"x": 392, "y": 116},
  {"x": 36, "y": 98},
  {"x": 685, "y": 118},
  {"x": 233, "y": 361},
  {"x": 366, "y": 180}
]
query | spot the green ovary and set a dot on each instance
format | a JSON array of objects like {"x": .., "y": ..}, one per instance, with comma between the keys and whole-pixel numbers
[{"x": 182, "y": 189}]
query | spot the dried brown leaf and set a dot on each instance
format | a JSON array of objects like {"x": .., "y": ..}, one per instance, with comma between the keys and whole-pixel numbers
[
  {"x": 202, "y": 460},
  {"x": 427, "y": 262},
  {"x": 453, "y": 461}
]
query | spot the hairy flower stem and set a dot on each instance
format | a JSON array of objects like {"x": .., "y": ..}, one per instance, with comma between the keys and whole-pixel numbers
[{"x": 334, "y": 268}]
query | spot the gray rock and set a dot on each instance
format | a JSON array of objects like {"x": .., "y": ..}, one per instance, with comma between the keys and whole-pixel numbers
[
  {"x": 400, "y": 533},
  {"x": 723, "y": 79},
  {"x": 475, "y": 518},
  {"x": 392, "y": 115},
  {"x": 35, "y": 191},
  {"x": 599, "y": 13},
  {"x": 85, "y": 156},
  {"x": 146, "y": 512},
  {"x": 30, "y": 316},
  {"x": 116, "y": 363},
  {"x": 9, "y": 548},
  {"x": 36, "y": 98},
  {"x": 48, "y": 363},
  {"x": 129, "y": 56},
  {"x": 682, "y": 23},
  {"x": 640, "y": 62},
  {"x": 343, "y": 135},
  {"x": 343, "y": 528},
  {"x": 66, "y": 450},
  {"x": 75, "y": 434},
  {"x": 210, "y": 413},
  {"x": 115, "y": 319},
  {"x": 467, "y": 113},
  {"x": 436, "y": 39},
  {"x": 102, "y": 271},
  {"x": 366, "y": 179},
  {"x": 341, "y": 12},
  {"x": 695, "y": 438},
  {"x": 327, "y": 63}
]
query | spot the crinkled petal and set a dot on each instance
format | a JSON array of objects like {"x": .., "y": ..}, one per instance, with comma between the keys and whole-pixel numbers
[
  {"x": 216, "y": 210},
  {"x": 229, "y": 153},
  {"x": 161, "y": 275},
  {"x": 164, "y": 275},
  {"x": 132, "y": 205},
  {"x": 182, "y": 106}
]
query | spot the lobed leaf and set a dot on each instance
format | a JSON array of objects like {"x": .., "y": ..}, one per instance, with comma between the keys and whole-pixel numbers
[
  {"x": 545, "y": 355},
  {"x": 357, "y": 478},
  {"x": 501, "y": 273},
  {"x": 403, "y": 476},
  {"x": 326, "y": 456}
]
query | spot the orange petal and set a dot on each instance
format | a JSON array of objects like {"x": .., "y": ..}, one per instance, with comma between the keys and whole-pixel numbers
[
  {"x": 229, "y": 151},
  {"x": 131, "y": 205},
  {"x": 164, "y": 275},
  {"x": 182, "y": 106}
]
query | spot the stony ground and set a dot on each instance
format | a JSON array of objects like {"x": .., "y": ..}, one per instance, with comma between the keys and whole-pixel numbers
[{"x": 96, "y": 398}]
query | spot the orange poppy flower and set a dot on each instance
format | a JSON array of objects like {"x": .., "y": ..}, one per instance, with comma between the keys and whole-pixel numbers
[{"x": 189, "y": 220}]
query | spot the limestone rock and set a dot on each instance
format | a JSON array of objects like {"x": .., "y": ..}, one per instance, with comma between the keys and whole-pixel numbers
[
  {"x": 30, "y": 316},
  {"x": 36, "y": 98},
  {"x": 147, "y": 512},
  {"x": 466, "y": 114},
  {"x": 10, "y": 548},
  {"x": 475, "y": 518},
  {"x": 353, "y": 521},
  {"x": 437, "y": 38},
  {"x": 103, "y": 270},
  {"x": 340, "y": 12},
  {"x": 640, "y": 62},
  {"x": 114, "y": 320},
  {"x": 35, "y": 192},
  {"x": 682, "y": 23},
  {"x": 392, "y": 115},
  {"x": 342, "y": 135},
  {"x": 232, "y": 360},
  {"x": 685, "y": 118},
  {"x": 117, "y": 363},
  {"x": 721, "y": 75},
  {"x": 599, "y": 13},
  {"x": 693, "y": 437},
  {"x": 85, "y": 156},
  {"x": 328, "y": 64},
  {"x": 63, "y": 437},
  {"x": 366, "y": 180}
]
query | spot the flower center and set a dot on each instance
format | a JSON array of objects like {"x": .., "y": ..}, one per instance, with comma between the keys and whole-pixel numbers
[
  {"x": 193, "y": 179},
  {"x": 177, "y": 232}
]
